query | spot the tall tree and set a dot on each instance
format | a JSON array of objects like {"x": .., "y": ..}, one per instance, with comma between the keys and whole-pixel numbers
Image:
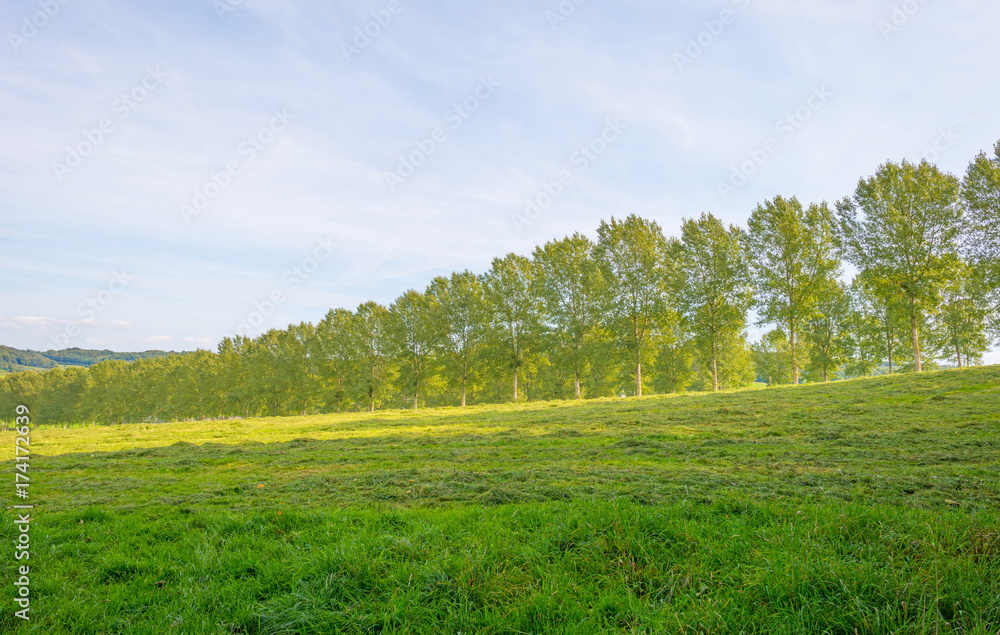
[
  {"x": 959, "y": 327},
  {"x": 772, "y": 359},
  {"x": 508, "y": 287},
  {"x": 337, "y": 360},
  {"x": 370, "y": 340},
  {"x": 792, "y": 253},
  {"x": 862, "y": 335},
  {"x": 828, "y": 346},
  {"x": 234, "y": 356},
  {"x": 571, "y": 287},
  {"x": 713, "y": 292},
  {"x": 981, "y": 194},
  {"x": 886, "y": 316},
  {"x": 458, "y": 312},
  {"x": 905, "y": 237},
  {"x": 675, "y": 357},
  {"x": 635, "y": 264},
  {"x": 297, "y": 367},
  {"x": 410, "y": 330}
]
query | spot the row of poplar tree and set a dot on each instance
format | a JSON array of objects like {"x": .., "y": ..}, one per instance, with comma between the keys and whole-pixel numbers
[{"x": 632, "y": 312}]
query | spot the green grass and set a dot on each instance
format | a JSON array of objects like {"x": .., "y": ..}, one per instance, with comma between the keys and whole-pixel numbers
[{"x": 867, "y": 506}]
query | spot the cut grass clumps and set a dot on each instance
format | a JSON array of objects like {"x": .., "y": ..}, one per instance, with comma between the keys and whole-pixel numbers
[
  {"x": 841, "y": 509},
  {"x": 729, "y": 566}
]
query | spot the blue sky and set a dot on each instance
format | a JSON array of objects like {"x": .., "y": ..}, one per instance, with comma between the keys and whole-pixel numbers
[{"x": 174, "y": 172}]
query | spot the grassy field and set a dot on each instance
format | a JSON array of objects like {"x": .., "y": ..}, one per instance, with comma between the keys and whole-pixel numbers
[{"x": 867, "y": 506}]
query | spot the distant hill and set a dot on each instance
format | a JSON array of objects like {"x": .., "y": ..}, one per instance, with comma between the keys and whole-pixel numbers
[{"x": 13, "y": 360}]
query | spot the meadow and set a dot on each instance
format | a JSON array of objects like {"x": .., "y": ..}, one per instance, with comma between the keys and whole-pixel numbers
[{"x": 855, "y": 507}]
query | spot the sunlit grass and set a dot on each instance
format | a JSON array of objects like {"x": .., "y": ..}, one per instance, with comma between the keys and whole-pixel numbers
[{"x": 867, "y": 505}]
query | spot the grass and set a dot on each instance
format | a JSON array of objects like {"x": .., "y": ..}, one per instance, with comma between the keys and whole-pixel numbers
[{"x": 866, "y": 506}]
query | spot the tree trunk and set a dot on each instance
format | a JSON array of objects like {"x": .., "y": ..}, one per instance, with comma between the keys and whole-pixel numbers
[
  {"x": 888, "y": 344},
  {"x": 515, "y": 385},
  {"x": 715, "y": 369},
  {"x": 958, "y": 352},
  {"x": 416, "y": 391},
  {"x": 915, "y": 334},
  {"x": 463, "y": 391},
  {"x": 791, "y": 343},
  {"x": 576, "y": 373},
  {"x": 826, "y": 375},
  {"x": 638, "y": 379}
]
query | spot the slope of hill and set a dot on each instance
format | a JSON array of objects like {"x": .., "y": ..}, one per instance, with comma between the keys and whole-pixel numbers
[
  {"x": 12, "y": 359},
  {"x": 866, "y": 506}
]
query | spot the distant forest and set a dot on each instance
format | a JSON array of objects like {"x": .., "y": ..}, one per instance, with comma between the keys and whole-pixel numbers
[
  {"x": 632, "y": 312},
  {"x": 12, "y": 359}
]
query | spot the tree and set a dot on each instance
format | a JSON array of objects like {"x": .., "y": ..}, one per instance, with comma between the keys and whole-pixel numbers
[
  {"x": 410, "y": 331},
  {"x": 772, "y": 359},
  {"x": 110, "y": 403},
  {"x": 792, "y": 255},
  {"x": 981, "y": 195},
  {"x": 674, "y": 359},
  {"x": 861, "y": 334},
  {"x": 712, "y": 289},
  {"x": 370, "y": 340},
  {"x": 570, "y": 285},
  {"x": 297, "y": 367},
  {"x": 958, "y": 330},
  {"x": 234, "y": 357},
  {"x": 828, "y": 348},
  {"x": 458, "y": 312},
  {"x": 514, "y": 311},
  {"x": 635, "y": 265},
  {"x": 906, "y": 240},
  {"x": 734, "y": 363},
  {"x": 266, "y": 377},
  {"x": 886, "y": 319},
  {"x": 337, "y": 360}
]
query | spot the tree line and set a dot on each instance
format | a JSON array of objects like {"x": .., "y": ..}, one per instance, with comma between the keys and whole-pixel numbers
[
  {"x": 12, "y": 359},
  {"x": 632, "y": 312}
]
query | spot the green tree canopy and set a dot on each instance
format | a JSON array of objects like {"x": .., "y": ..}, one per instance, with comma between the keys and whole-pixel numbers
[
  {"x": 514, "y": 309},
  {"x": 900, "y": 229},
  {"x": 712, "y": 287},
  {"x": 635, "y": 264},
  {"x": 793, "y": 257},
  {"x": 570, "y": 285}
]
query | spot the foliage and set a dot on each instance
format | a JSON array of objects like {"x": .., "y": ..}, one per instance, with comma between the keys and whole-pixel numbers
[
  {"x": 829, "y": 347},
  {"x": 906, "y": 239},
  {"x": 711, "y": 290},
  {"x": 793, "y": 259},
  {"x": 573, "y": 294},
  {"x": 514, "y": 326},
  {"x": 772, "y": 358},
  {"x": 634, "y": 260},
  {"x": 630, "y": 312}
]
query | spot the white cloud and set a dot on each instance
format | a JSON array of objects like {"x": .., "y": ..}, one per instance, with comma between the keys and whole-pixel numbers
[{"x": 31, "y": 323}]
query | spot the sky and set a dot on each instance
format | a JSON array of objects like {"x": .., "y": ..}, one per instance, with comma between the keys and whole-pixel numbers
[{"x": 175, "y": 173}]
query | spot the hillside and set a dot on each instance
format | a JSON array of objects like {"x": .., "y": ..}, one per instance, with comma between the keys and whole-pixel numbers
[
  {"x": 867, "y": 505},
  {"x": 14, "y": 360}
]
